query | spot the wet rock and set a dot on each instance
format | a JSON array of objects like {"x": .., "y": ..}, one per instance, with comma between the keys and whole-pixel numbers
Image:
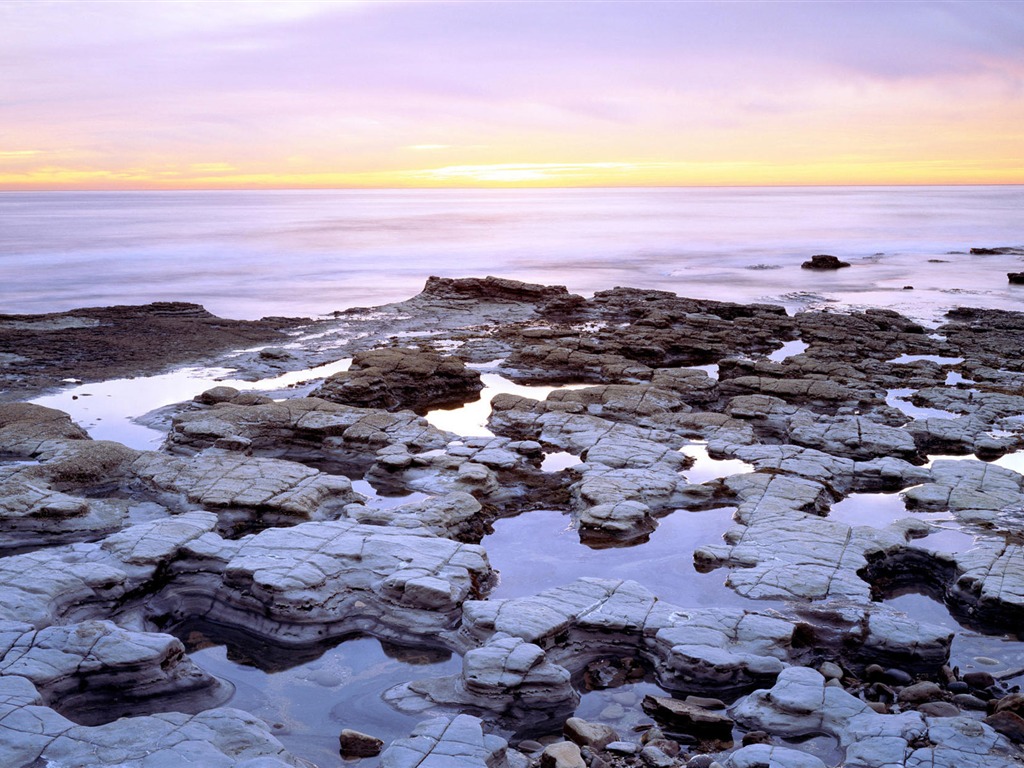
[
  {"x": 25, "y": 428},
  {"x": 939, "y": 709},
  {"x": 689, "y": 718},
  {"x": 32, "y": 734},
  {"x": 77, "y": 668},
  {"x": 978, "y": 680},
  {"x": 243, "y": 487},
  {"x": 595, "y": 735},
  {"x": 357, "y": 744},
  {"x": 397, "y": 378},
  {"x": 508, "y": 677},
  {"x": 445, "y": 742},
  {"x": 305, "y": 584},
  {"x": 654, "y": 757},
  {"x": 823, "y": 261},
  {"x": 771, "y": 756},
  {"x": 1009, "y": 724},
  {"x": 801, "y": 704}
]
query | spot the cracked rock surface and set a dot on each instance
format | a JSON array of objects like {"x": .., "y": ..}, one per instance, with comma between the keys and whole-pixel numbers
[{"x": 298, "y": 518}]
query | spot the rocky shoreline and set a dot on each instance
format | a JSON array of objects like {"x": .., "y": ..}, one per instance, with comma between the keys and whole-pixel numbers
[{"x": 248, "y": 519}]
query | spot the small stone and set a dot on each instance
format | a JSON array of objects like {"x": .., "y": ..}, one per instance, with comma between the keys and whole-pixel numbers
[
  {"x": 562, "y": 754},
  {"x": 700, "y": 761},
  {"x": 595, "y": 735},
  {"x": 958, "y": 686},
  {"x": 873, "y": 672},
  {"x": 613, "y": 711},
  {"x": 831, "y": 671},
  {"x": 622, "y": 748},
  {"x": 656, "y": 758},
  {"x": 919, "y": 693},
  {"x": 979, "y": 680},
  {"x": 756, "y": 737},
  {"x": 897, "y": 677},
  {"x": 356, "y": 744},
  {"x": 879, "y": 706},
  {"x": 969, "y": 701},
  {"x": 1008, "y": 724},
  {"x": 939, "y": 709},
  {"x": 530, "y": 746}
]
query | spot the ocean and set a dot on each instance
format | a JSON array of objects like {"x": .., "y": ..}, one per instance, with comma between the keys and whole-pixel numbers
[{"x": 250, "y": 254}]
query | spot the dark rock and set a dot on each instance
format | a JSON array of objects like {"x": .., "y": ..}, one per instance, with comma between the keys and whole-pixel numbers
[
  {"x": 958, "y": 686},
  {"x": 1008, "y": 724},
  {"x": 939, "y": 709},
  {"x": 397, "y": 378},
  {"x": 356, "y": 744},
  {"x": 969, "y": 701},
  {"x": 919, "y": 693},
  {"x": 1015, "y": 278},
  {"x": 756, "y": 737},
  {"x": 979, "y": 681},
  {"x": 688, "y": 718},
  {"x": 1005, "y": 250},
  {"x": 1013, "y": 702},
  {"x": 897, "y": 677},
  {"x": 824, "y": 261}
]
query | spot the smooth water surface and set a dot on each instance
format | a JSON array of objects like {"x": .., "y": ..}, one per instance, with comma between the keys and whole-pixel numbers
[{"x": 247, "y": 254}]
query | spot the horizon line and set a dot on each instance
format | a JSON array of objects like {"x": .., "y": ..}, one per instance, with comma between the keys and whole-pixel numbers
[{"x": 503, "y": 187}]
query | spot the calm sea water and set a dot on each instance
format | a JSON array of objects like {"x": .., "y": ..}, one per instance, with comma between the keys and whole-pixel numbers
[{"x": 255, "y": 253}]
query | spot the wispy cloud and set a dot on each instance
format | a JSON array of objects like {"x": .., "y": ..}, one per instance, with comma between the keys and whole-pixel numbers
[{"x": 257, "y": 90}]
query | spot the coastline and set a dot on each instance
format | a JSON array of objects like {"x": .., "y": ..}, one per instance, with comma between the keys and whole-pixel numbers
[{"x": 218, "y": 524}]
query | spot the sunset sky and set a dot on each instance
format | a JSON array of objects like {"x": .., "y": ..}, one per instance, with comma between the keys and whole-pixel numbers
[{"x": 130, "y": 95}]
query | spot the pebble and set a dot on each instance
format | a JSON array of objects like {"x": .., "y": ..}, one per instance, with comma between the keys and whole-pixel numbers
[
  {"x": 656, "y": 758},
  {"x": 969, "y": 701},
  {"x": 919, "y": 693},
  {"x": 623, "y": 748},
  {"x": 958, "y": 686},
  {"x": 756, "y": 737},
  {"x": 939, "y": 709},
  {"x": 897, "y": 677},
  {"x": 612, "y": 712},
  {"x": 979, "y": 680},
  {"x": 831, "y": 671}
]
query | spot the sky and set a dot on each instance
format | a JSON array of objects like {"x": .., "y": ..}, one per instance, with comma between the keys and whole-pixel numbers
[{"x": 194, "y": 95}]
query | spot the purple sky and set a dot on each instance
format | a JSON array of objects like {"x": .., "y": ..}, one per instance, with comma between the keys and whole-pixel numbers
[{"x": 128, "y": 94}]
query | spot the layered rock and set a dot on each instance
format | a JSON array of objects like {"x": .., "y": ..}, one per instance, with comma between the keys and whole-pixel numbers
[{"x": 399, "y": 378}]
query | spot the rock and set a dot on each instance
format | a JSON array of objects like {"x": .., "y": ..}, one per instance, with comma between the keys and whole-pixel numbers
[
  {"x": 831, "y": 671},
  {"x": 356, "y": 744},
  {"x": 562, "y": 754},
  {"x": 939, "y": 709},
  {"x": 771, "y": 756},
  {"x": 979, "y": 680},
  {"x": 31, "y": 733},
  {"x": 1015, "y": 278},
  {"x": 445, "y": 742},
  {"x": 801, "y": 704},
  {"x": 398, "y": 378},
  {"x": 595, "y": 735},
  {"x": 919, "y": 693},
  {"x": 689, "y": 718},
  {"x": 622, "y": 748},
  {"x": 969, "y": 701},
  {"x": 1008, "y": 724},
  {"x": 654, "y": 757},
  {"x": 824, "y": 262}
]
